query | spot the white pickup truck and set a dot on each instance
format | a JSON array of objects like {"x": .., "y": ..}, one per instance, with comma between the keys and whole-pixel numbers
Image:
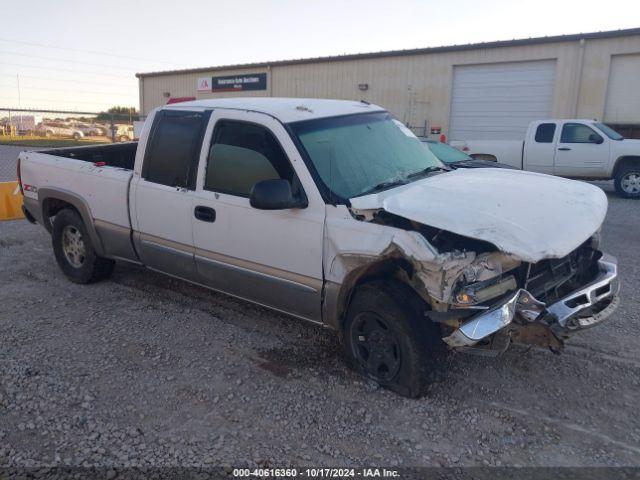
[
  {"x": 573, "y": 148},
  {"x": 334, "y": 212}
]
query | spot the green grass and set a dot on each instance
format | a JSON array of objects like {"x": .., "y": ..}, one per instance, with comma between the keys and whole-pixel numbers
[{"x": 47, "y": 142}]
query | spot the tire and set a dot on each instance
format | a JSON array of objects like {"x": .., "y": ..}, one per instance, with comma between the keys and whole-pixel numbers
[
  {"x": 387, "y": 338},
  {"x": 627, "y": 181},
  {"x": 76, "y": 136},
  {"x": 74, "y": 251}
]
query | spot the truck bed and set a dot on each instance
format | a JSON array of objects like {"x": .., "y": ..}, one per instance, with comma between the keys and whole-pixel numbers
[
  {"x": 98, "y": 176},
  {"x": 119, "y": 155},
  {"x": 509, "y": 152}
]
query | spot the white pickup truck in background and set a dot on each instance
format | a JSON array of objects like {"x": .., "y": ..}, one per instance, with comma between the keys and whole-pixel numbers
[{"x": 580, "y": 149}]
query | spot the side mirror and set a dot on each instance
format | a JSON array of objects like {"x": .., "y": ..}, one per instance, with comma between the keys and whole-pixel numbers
[
  {"x": 274, "y": 195},
  {"x": 595, "y": 138}
]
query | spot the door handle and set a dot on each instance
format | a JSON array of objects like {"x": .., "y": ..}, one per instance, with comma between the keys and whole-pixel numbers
[
  {"x": 564, "y": 149},
  {"x": 206, "y": 214}
]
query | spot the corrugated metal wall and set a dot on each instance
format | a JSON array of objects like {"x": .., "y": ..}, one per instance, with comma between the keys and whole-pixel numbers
[{"x": 417, "y": 88}]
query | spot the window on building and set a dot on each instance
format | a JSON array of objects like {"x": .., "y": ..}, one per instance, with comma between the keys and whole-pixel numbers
[
  {"x": 545, "y": 132},
  {"x": 241, "y": 155},
  {"x": 578, "y": 133},
  {"x": 174, "y": 147}
]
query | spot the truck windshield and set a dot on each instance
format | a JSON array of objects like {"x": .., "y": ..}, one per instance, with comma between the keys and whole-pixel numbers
[
  {"x": 359, "y": 154},
  {"x": 608, "y": 131},
  {"x": 447, "y": 153}
]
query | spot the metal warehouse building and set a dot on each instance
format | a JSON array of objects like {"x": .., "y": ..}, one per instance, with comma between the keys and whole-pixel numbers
[{"x": 478, "y": 91}]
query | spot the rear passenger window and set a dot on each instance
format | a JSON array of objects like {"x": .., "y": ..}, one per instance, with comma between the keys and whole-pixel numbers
[
  {"x": 545, "y": 132},
  {"x": 174, "y": 146},
  {"x": 241, "y": 155}
]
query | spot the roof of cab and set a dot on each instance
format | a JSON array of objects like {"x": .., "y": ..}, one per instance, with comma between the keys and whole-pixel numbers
[{"x": 286, "y": 110}]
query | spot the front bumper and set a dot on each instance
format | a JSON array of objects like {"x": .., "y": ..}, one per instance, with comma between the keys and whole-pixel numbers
[{"x": 584, "y": 308}]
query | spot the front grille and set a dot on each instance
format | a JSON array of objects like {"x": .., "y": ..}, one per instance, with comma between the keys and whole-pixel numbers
[{"x": 551, "y": 279}]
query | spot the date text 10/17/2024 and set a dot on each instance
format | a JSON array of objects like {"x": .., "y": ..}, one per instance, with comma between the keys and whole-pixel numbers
[{"x": 316, "y": 472}]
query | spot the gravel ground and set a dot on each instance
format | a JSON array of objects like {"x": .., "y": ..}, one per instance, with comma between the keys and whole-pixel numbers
[
  {"x": 8, "y": 162},
  {"x": 144, "y": 370}
]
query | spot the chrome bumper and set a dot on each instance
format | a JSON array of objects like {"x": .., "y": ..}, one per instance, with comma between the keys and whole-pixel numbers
[{"x": 562, "y": 317}]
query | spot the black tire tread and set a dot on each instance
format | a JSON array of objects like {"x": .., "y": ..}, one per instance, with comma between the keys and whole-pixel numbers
[{"x": 400, "y": 304}]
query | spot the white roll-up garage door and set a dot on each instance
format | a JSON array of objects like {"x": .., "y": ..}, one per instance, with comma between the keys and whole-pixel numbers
[
  {"x": 498, "y": 100},
  {"x": 623, "y": 91}
]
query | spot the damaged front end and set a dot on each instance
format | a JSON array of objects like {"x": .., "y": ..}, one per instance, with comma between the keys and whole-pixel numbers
[
  {"x": 495, "y": 267},
  {"x": 520, "y": 317},
  {"x": 483, "y": 298}
]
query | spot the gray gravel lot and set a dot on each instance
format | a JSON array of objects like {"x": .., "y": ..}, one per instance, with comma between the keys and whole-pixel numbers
[
  {"x": 146, "y": 370},
  {"x": 8, "y": 162}
]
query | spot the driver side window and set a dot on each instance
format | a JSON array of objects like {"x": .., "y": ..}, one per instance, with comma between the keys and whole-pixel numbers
[
  {"x": 241, "y": 155},
  {"x": 578, "y": 133}
]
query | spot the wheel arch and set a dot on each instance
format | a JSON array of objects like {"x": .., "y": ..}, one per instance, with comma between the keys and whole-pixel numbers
[
  {"x": 53, "y": 200},
  {"x": 484, "y": 156},
  {"x": 338, "y": 296},
  {"x": 623, "y": 161}
]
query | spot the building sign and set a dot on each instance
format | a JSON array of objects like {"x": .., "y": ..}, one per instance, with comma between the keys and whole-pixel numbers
[
  {"x": 239, "y": 83},
  {"x": 204, "y": 84}
]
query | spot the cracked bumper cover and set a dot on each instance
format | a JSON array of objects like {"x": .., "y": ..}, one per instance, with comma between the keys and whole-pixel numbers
[{"x": 567, "y": 315}]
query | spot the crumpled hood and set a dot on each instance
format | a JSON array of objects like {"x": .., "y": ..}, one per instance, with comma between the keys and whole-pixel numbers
[{"x": 530, "y": 215}]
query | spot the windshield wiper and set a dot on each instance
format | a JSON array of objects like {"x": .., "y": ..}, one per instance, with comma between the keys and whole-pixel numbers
[
  {"x": 403, "y": 179},
  {"x": 428, "y": 170},
  {"x": 384, "y": 185}
]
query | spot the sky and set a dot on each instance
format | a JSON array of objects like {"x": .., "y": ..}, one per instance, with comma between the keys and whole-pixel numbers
[{"x": 83, "y": 55}]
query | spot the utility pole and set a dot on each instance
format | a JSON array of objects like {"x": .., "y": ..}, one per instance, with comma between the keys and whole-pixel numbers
[{"x": 19, "y": 99}]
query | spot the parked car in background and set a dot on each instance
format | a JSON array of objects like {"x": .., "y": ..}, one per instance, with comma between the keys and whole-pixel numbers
[
  {"x": 60, "y": 129},
  {"x": 334, "y": 212},
  {"x": 573, "y": 148},
  {"x": 123, "y": 132},
  {"x": 454, "y": 158},
  {"x": 91, "y": 130}
]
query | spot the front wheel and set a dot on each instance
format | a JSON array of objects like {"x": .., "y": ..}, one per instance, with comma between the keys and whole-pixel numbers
[
  {"x": 627, "y": 181},
  {"x": 388, "y": 339},
  {"x": 74, "y": 251}
]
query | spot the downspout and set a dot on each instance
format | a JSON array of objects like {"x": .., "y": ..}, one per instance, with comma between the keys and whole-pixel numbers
[
  {"x": 141, "y": 95},
  {"x": 578, "y": 79}
]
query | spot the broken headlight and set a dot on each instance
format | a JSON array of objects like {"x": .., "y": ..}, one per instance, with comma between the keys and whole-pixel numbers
[
  {"x": 480, "y": 292},
  {"x": 483, "y": 279}
]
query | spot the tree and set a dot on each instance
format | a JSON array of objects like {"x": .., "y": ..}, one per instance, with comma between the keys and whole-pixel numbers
[{"x": 118, "y": 113}]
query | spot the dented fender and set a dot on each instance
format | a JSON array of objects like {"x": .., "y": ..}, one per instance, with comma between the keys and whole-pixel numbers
[{"x": 354, "y": 249}]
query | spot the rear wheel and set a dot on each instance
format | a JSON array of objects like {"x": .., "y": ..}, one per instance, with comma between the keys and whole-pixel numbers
[
  {"x": 74, "y": 251},
  {"x": 388, "y": 339},
  {"x": 627, "y": 181}
]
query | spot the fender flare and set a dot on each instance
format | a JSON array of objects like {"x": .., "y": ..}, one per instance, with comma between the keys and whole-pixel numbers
[
  {"x": 77, "y": 202},
  {"x": 621, "y": 160}
]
